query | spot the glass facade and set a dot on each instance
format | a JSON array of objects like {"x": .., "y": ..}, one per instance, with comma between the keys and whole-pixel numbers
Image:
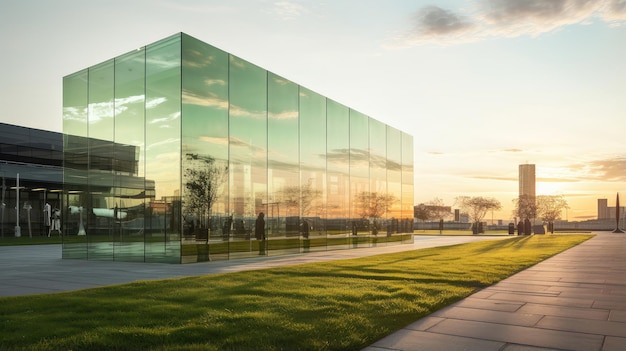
[
  {"x": 172, "y": 151},
  {"x": 30, "y": 181}
]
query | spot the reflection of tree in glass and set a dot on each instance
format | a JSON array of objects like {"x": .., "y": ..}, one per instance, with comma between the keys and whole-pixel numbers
[
  {"x": 203, "y": 178},
  {"x": 304, "y": 196},
  {"x": 372, "y": 204}
]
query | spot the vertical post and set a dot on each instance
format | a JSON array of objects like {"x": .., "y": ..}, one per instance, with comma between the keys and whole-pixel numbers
[
  {"x": 617, "y": 214},
  {"x": 2, "y": 205},
  {"x": 17, "y": 207}
]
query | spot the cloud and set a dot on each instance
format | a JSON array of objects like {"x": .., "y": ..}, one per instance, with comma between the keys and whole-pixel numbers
[
  {"x": 488, "y": 177},
  {"x": 615, "y": 11},
  {"x": 556, "y": 180},
  {"x": 432, "y": 23},
  {"x": 505, "y": 18},
  {"x": 612, "y": 169},
  {"x": 534, "y": 17},
  {"x": 433, "y": 20},
  {"x": 288, "y": 9}
]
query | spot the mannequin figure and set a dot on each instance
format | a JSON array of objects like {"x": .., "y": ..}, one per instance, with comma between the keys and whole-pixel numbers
[{"x": 46, "y": 217}]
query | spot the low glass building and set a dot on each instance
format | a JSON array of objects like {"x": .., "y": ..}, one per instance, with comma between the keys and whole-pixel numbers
[{"x": 202, "y": 143}]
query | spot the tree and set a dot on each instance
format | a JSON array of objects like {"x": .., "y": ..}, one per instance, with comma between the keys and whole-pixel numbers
[
  {"x": 526, "y": 207},
  {"x": 438, "y": 210},
  {"x": 477, "y": 208},
  {"x": 203, "y": 180},
  {"x": 373, "y": 205},
  {"x": 422, "y": 212},
  {"x": 549, "y": 208},
  {"x": 304, "y": 197}
]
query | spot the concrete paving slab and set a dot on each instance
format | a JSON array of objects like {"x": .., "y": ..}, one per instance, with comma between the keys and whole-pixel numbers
[
  {"x": 557, "y": 339},
  {"x": 564, "y": 311},
  {"x": 418, "y": 340},
  {"x": 614, "y": 344},
  {"x": 572, "y": 301}
]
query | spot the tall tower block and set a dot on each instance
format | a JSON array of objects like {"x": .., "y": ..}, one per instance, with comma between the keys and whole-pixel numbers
[{"x": 527, "y": 180}]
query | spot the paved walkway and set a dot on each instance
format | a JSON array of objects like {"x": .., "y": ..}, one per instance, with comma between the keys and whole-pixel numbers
[
  {"x": 27, "y": 270},
  {"x": 573, "y": 301}
]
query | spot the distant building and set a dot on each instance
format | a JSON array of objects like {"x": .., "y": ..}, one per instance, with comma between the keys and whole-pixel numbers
[
  {"x": 608, "y": 212},
  {"x": 527, "y": 180}
]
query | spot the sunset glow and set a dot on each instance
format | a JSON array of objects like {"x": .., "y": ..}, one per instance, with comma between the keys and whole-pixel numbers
[{"x": 483, "y": 86}]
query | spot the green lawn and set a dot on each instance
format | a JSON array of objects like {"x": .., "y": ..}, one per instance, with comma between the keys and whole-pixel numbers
[
  {"x": 338, "y": 305},
  {"x": 26, "y": 240}
]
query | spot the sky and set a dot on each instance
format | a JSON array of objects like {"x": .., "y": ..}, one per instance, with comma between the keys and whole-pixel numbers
[{"x": 482, "y": 85}]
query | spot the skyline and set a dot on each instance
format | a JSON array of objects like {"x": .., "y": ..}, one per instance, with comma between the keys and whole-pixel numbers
[{"x": 483, "y": 86}]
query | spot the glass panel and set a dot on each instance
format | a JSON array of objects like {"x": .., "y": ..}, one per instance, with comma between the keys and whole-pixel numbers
[
  {"x": 284, "y": 190},
  {"x": 407, "y": 184},
  {"x": 359, "y": 178},
  {"x": 206, "y": 224},
  {"x": 100, "y": 200},
  {"x": 394, "y": 182},
  {"x": 380, "y": 200},
  {"x": 75, "y": 156},
  {"x": 338, "y": 225},
  {"x": 129, "y": 167},
  {"x": 313, "y": 169},
  {"x": 248, "y": 155},
  {"x": 163, "y": 150}
]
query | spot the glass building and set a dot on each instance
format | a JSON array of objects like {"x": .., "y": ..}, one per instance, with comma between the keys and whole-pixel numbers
[
  {"x": 30, "y": 181},
  {"x": 202, "y": 143}
]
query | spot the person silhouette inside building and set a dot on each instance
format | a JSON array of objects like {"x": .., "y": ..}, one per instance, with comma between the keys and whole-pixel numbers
[{"x": 259, "y": 232}]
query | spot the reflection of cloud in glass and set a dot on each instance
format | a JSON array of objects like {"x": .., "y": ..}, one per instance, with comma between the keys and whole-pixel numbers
[
  {"x": 237, "y": 62},
  {"x": 163, "y": 142},
  {"x": 340, "y": 156},
  {"x": 100, "y": 110},
  {"x": 77, "y": 114},
  {"x": 283, "y": 115},
  {"x": 163, "y": 63},
  {"x": 171, "y": 117},
  {"x": 154, "y": 102},
  {"x": 237, "y": 142},
  {"x": 236, "y": 111},
  {"x": 198, "y": 59},
  {"x": 280, "y": 81},
  {"x": 208, "y": 101},
  {"x": 210, "y": 82},
  {"x": 214, "y": 140}
]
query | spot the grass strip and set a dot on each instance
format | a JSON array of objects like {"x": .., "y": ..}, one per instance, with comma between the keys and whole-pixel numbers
[{"x": 337, "y": 305}]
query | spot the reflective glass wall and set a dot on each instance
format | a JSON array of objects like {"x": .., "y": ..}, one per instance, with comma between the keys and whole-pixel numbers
[{"x": 181, "y": 152}]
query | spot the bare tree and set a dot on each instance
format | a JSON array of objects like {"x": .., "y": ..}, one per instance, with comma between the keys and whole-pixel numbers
[
  {"x": 477, "y": 208},
  {"x": 303, "y": 197},
  {"x": 203, "y": 180},
  {"x": 422, "y": 211},
  {"x": 373, "y": 205},
  {"x": 525, "y": 207},
  {"x": 438, "y": 210},
  {"x": 549, "y": 208}
]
